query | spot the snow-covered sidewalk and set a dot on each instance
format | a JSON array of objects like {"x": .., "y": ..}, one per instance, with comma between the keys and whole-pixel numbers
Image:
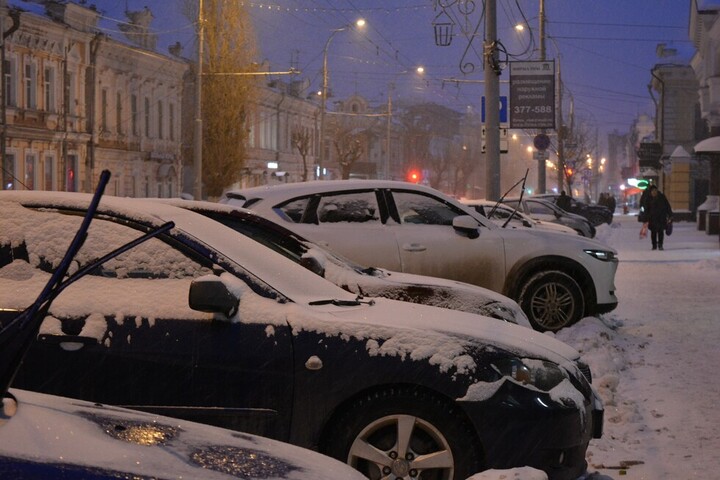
[{"x": 655, "y": 358}]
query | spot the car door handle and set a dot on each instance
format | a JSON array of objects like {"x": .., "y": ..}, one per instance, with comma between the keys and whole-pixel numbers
[
  {"x": 69, "y": 343},
  {"x": 414, "y": 247}
]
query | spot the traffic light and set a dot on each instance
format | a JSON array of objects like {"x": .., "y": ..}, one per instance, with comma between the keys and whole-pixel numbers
[
  {"x": 413, "y": 176},
  {"x": 568, "y": 171}
]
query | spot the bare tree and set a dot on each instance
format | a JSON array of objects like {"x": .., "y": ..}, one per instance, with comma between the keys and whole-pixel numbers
[
  {"x": 228, "y": 90},
  {"x": 301, "y": 140},
  {"x": 348, "y": 143},
  {"x": 583, "y": 141}
]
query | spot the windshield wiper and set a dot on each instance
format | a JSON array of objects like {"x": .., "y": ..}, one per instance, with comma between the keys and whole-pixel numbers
[{"x": 344, "y": 303}]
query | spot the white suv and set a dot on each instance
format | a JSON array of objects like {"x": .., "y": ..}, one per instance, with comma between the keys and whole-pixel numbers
[{"x": 556, "y": 279}]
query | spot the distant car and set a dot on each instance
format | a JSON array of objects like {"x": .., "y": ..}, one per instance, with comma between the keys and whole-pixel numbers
[
  {"x": 595, "y": 214},
  {"x": 500, "y": 213},
  {"x": 556, "y": 279},
  {"x": 367, "y": 281},
  {"x": 50, "y": 437},
  {"x": 204, "y": 324},
  {"x": 546, "y": 211}
]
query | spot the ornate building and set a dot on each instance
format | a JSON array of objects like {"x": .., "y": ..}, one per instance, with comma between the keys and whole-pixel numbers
[{"x": 76, "y": 102}]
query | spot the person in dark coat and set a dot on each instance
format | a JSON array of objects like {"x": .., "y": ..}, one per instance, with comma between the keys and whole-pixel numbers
[
  {"x": 563, "y": 201},
  {"x": 611, "y": 202},
  {"x": 659, "y": 213}
]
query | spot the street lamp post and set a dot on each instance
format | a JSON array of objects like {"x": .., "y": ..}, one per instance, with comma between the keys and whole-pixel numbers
[{"x": 324, "y": 93}]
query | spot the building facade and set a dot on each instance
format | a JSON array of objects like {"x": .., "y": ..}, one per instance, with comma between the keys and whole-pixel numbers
[{"x": 76, "y": 102}]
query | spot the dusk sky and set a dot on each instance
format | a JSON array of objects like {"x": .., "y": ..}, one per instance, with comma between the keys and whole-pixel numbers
[{"x": 606, "y": 48}]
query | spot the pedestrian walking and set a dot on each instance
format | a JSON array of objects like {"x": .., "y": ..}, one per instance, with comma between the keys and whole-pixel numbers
[
  {"x": 563, "y": 201},
  {"x": 659, "y": 215}
]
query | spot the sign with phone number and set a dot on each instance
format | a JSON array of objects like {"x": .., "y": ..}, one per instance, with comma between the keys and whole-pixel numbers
[{"x": 532, "y": 95}]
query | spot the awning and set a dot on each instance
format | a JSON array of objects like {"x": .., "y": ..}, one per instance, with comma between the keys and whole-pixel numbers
[{"x": 709, "y": 145}]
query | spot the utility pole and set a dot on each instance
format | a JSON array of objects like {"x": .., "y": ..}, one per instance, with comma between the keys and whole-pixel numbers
[
  {"x": 197, "y": 153},
  {"x": 541, "y": 185},
  {"x": 560, "y": 134},
  {"x": 492, "y": 102}
]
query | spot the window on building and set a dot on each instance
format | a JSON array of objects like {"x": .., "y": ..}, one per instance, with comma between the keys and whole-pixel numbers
[
  {"x": 133, "y": 113},
  {"x": 9, "y": 84},
  {"x": 49, "y": 89},
  {"x": 30, "y": 86},
  {"x": 71, "y": 173},
  {"x": 49, "y": 182},
  {"x": 147, "y": 117},
  {"x": 30, "y": 171},
  {"x": 104, "y": 110},
  {"x": 160, "y": 119},
  {"x": 119, "y": 112},
  {"x": 69, "y": 94},
  {"x": 8, "y": 172},
  {"x": 171, "y": 121}
]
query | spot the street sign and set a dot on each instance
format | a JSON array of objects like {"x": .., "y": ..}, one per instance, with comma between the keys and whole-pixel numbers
[
  {"x": 532, "y": 95},
  {"x": 504, "y": 146},
  {"x": 541, "y": 141},
  {"x": 503, "y": 131},
  {"x": 503, "y": 109}
]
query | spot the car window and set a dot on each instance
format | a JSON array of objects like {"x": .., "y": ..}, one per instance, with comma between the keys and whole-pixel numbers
[
  {"x": 356, "y": 207},
  {"x": 151, "y": 271},
  {"x": 294, "y": 209},
  {"x": 538, "y": 208},
  {"x": 423, "y": 209}
]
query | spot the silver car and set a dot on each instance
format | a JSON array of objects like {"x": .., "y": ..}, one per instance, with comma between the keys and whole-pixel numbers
[
  {"x": 547, "y": 211},
  {"x": 556, "y": 279},
  {"x": 363, "y": 280}
]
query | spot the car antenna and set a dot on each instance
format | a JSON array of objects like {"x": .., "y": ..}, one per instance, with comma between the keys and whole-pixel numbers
[{"x": 17, "y": 336}]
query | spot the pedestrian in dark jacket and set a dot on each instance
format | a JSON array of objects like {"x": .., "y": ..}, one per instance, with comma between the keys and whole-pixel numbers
[
  {"x": 659, "y": 213},
  {"x": 563, "y": 201}
]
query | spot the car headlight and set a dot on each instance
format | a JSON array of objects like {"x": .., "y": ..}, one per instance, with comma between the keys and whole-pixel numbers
[
  {"x": 538, "y": 373},
  {"x": 604, "y": 255}
]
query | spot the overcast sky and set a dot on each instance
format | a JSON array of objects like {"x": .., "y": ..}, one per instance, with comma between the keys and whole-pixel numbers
[{"x": 606, "y": 48}]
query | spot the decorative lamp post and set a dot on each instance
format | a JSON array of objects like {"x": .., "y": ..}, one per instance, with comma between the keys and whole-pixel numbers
[{"x": 443, "y": 26}]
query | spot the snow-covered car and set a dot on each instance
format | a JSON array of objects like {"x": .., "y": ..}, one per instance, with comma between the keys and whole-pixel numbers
[
  {"x": 595, "y": 214},
  {"x": 204, "y": 324},
  {"x": 546, "y": 211},
  {"x": 355, "y": 278},
  {"x": 500, "y": 213},
  {"x": 556, "y": 279},
  {"x": 49, "y": 437}
]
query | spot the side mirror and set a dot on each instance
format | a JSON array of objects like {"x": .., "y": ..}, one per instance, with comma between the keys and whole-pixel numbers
[
  {"x": 210, "y": 294},
  {"x": 466, "y": 225},
  {"x": 313, "y": 264}
]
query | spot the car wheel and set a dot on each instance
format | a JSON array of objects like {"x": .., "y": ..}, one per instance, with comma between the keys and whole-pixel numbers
[
  {"x": 552, "y": 300},
  {"x": 597, "y": 220},
  {"x": 404, "y": 434}
]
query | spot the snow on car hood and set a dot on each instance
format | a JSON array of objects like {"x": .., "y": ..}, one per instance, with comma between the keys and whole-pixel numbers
[
  {"x": 419, "y": 331},
  {"x": 46, "y": 429}
]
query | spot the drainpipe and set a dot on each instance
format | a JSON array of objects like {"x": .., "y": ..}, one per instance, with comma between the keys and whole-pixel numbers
[
  {"x": 91, "y": 107},
  {"x": 15, "y": 16}
]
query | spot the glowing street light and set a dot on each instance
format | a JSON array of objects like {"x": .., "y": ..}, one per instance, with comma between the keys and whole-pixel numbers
[{"x": 360, "y": 23}]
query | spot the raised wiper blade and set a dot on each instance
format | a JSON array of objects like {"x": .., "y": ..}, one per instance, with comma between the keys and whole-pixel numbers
[{"x": 18, "y": 335}]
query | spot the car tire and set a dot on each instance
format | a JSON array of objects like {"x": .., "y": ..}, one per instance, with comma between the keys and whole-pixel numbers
[
  {"x": 597, "y": 220},
  {"x": 552, "y": 300},
  {"x": 396, "y": 433}
]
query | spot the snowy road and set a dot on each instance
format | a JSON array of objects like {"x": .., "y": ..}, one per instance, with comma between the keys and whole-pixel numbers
[{"x": 656, "y": 358}]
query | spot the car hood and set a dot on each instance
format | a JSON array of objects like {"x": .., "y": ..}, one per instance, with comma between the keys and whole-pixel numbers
[
  {"x": 421, "y": 331},
  {"x": 74, "y": 438}
]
